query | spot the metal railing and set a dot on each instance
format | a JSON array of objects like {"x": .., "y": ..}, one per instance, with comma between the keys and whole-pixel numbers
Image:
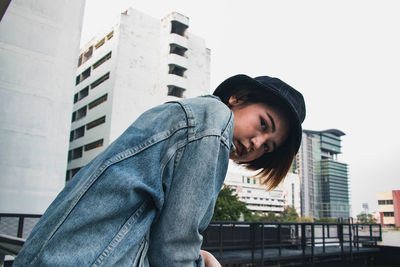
[
  {"x": 17, "y": 225},
  {"x": 310, "y": 238},
  {"x": 223, "y": 236}
]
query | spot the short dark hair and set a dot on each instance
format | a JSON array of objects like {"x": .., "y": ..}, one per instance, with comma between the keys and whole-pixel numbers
[{"x": 273, "y": 167}]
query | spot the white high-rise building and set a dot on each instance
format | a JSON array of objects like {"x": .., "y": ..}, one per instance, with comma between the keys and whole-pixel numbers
[
  {"x": 291, "y": 191},
  {"x": 305, "y": 168},
  {"x": 139, "y": 63},
  {"x": 39, "y": 44}
]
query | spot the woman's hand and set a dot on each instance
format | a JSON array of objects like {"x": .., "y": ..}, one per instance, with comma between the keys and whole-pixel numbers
[{"x": 209, "y": 259}]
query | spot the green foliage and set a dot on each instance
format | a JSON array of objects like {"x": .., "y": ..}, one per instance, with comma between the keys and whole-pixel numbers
[
  {"x": 327, "y": 220},
  {"x": 366, "y": 218},
  {"x": 228, "y": 207},
  {"x": 305, "y": 219},
  {"x": 261, "y": 217},
  {"x": 289, "y": 214}
]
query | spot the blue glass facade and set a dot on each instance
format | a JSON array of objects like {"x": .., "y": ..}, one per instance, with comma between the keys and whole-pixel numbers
[{"x": 330, "y": 177}]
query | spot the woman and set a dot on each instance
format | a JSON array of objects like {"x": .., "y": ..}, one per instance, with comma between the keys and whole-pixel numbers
[{"x": 146, "y": 198}]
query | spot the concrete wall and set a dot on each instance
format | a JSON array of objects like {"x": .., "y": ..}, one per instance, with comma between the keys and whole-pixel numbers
[
  {"x": 137, "y": 86},
  {"x": 39, "y": 44}
]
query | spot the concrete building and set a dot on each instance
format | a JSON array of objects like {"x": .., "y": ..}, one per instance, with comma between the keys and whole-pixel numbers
[
  {"x": 324, "y": 180},
  {"x": 255, "y": 195},
  {"x": 39, "y": 44},
  {"x": 291, "y": 191},
  {"x": 139, "y": 63},
  {"x": 389, "y": 208}
]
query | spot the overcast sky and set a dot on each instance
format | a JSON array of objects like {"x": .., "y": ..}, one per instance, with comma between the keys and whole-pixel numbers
[{"x": 344, "y": 56}]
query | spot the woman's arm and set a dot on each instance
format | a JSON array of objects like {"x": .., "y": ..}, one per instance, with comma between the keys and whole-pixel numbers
[
  {"x": 200, "y": 168},
  {"x": 209, "y": 259}
]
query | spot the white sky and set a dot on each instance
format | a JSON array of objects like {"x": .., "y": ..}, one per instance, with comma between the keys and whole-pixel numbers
[{"x": 344, "y": 56}]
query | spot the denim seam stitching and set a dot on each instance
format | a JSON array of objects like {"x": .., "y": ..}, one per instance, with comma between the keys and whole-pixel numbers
[
  {"x": 120, "y": 235},
  {"x": 117, "y": 158}
]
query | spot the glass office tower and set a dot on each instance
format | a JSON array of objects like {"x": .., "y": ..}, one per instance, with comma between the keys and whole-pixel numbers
[{"x": 330, "y": 183}]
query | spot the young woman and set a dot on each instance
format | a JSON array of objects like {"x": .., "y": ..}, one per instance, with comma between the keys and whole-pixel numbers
[{"x": 145, "y": 200}]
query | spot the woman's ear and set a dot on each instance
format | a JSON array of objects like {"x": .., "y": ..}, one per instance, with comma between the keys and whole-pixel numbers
[{"x": 234, "y": 101}]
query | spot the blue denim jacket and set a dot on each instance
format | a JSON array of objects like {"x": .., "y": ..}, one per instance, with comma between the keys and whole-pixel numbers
[{"x": 146, "y": 198}]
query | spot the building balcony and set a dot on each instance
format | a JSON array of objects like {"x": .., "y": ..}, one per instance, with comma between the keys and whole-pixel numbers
[
  {"x": 178, "y": 40},
  {"x": 175, "y": 80},
  {"x": 178, "y": 60}
]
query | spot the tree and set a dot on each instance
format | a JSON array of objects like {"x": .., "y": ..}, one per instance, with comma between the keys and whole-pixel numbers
[
  {"x": 228, "y": 207},
  {"x": 366, "y": 218},
  {"x": 259, "y": 216},
  {"x": 289, "y": 214}
]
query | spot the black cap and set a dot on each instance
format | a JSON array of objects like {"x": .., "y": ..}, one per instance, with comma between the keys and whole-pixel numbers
[{"x": 290, "y": 97}]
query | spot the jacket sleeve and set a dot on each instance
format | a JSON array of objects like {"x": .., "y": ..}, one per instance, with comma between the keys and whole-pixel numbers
[{"x": 198, "y": 171}]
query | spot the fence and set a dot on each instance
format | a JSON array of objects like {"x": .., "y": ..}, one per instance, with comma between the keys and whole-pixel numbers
[
  {"x": 280, "y": 240},
  {"x": 257, "y": 238}
]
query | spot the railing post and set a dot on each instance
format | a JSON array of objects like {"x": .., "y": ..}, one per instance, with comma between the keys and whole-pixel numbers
[
  {"x": 370, "y": 234},
  {"x": 279, "y": 240},
  {"x": 340, "y": 235},
  {"x": 252, "y": 241},
  {"x": 220, "y": 242},
  {"x": 262, "y": 244},
  {"x": 312, "y": 242},
  {"x": 323, "y": 238},
  {"x": 351, "y": 241},
  {"x": 20, "y": 226},
  {"x": 303, "y": 238}
]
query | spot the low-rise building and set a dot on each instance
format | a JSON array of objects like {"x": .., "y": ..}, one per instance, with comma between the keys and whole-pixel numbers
[
  {"x": 249, "y": 190},
  {"x": 389, "y": 208}
]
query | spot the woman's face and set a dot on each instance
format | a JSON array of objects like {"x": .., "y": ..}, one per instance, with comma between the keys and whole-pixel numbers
[{"x": 258, "y": 129}]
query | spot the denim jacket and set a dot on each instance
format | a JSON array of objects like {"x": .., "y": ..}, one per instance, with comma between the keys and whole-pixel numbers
[{"x": 145, "y": 199}]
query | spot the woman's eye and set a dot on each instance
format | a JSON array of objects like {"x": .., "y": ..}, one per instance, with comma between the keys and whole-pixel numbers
[
  {"x": 266, "y": 148},
  {"x": 263, "y": 125}
]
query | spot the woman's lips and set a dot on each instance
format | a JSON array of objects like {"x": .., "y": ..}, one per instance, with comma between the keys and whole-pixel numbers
[{"x": 239, "y": 148}]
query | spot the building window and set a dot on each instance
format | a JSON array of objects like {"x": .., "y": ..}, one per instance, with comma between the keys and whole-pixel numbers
[
  {"x": 110, "y": 35},
  {"x": 175, "y": 91},
  {"x": 79, "y": 114},
  {"x": 81, "y": 94},
  {"x": 94, "y": 145},
  {"x": 178, "y": 28},
  {"x": 254, "y": 181},
  {"x": 176, "y": 70},
  {"x": 177, "y": 49},
  {"x": 102, "y": 60},
  {"x": 100, "y": 80},
  {"x": 71, "y": 173},
  {"x": 388, "y": 214},
  {"x": 75, "y": 153},
  {"x": 100, "y": 43},
  {"x": 84, "y": 75},
  {"x": 95, "y": 123},
  {"x": 385, "y": 202},
  {"x": 85, "y": 56},
  {"x": 248, "y": 180},
  {"x": 77, "y": 133},
  {"x": 98, "y": 101}
]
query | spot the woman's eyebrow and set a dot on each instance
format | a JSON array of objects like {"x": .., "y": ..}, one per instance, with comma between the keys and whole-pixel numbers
[{"x": 272, "y": 122}]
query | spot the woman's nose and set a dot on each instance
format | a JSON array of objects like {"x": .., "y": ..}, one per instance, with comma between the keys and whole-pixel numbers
[{"x": 259, "y": 141}]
